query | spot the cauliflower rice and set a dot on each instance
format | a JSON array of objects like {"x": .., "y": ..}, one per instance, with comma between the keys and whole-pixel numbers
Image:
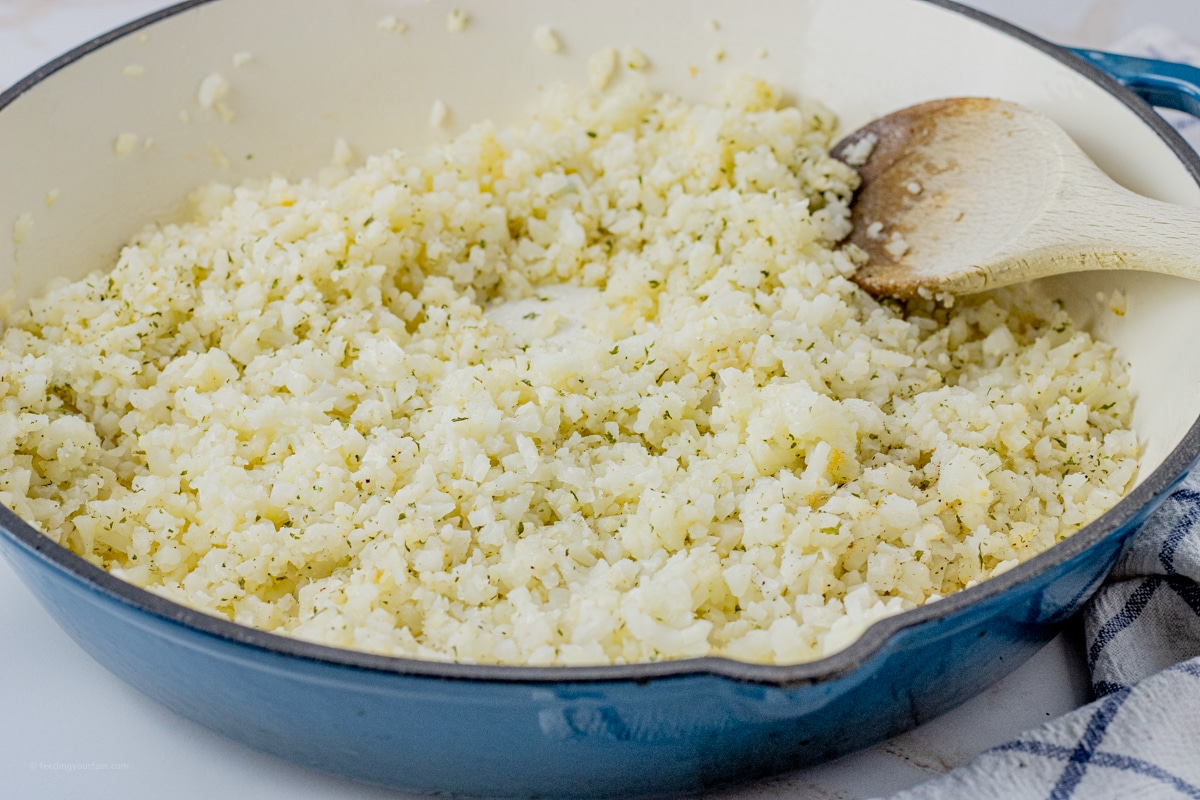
[{"x": 594, "y": 390}]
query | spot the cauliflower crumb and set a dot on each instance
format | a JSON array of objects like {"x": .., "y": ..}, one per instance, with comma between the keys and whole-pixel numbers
[
  {"x": 456, "y": 21},
  {"x": 212, "y": 93},
  {"x": 545, "y": 38},
  {"x": 438, "y": 114},
  {"x": 217, "y": 156},
  {"x": 51, "y": 197},
  {"x": 1115, "y": 302},
  {"x": 896, "y": 246},
  {"x": 212, "y": 89},
  {"x": 22, "y": 227},
  {"x": 601, "y": 67},
  {"x": 860, "y": 151},
  {"x": 133, "y": 71},
  {"x": 635, "y": 59},
  {"x": 392, "y": 24},
  {"x": 718, "y": 53},
  {"x": 343, "y": 153},
  {"x": 124, "y": 144},
  {"x": 241, "y": 59}
]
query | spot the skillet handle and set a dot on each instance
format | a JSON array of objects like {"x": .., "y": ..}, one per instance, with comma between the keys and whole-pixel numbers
[{"x": 1164, "y": 84}]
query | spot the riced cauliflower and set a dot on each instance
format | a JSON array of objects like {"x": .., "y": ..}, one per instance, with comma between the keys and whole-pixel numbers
[{"x": 593, "y": 390}]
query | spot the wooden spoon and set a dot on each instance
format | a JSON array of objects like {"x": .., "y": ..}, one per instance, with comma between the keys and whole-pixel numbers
[{"x": 967, "y": 194}]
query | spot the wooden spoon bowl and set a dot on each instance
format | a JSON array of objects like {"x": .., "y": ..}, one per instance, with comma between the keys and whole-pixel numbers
[{"x": 966, "y": 194}]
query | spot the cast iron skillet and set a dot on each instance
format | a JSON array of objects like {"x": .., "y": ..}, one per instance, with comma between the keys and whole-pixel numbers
[{"x": 643, "y": 729}]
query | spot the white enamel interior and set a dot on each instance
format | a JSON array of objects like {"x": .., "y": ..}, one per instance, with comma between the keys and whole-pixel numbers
[{"x": 320, "y": 70}]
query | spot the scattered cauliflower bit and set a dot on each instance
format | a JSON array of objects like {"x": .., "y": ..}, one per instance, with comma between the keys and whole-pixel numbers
[
  {"x": 213, "y": 88},
  {"x": 22, "y": 227},
  {"x": 1116, "y": 302},
  {"x": 124, "y": 144},
  {"x": 217, "y": 156},
  {"x": 860, "y": 152},
  {"x": 545, "y": 38},
  {"x": 601, "y": 67},
  {"x": 896, "y": 246},
  {"x": 438, "y": 114},
  {"x": 392, "y": 24},
  {"x": 635, "y": 59},
  {"x": 133, "y": 71},
  {"x": 456, "y": 21},
  {"x": 212, "y": 93},
  {"x": 343, "y": 153}
]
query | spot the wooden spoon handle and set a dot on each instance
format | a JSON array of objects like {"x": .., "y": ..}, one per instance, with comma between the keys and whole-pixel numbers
[{"x": 1097, "y": 224}]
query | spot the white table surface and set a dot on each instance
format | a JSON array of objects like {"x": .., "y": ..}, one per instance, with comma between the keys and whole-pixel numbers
[{"x": 68, "y": 729}]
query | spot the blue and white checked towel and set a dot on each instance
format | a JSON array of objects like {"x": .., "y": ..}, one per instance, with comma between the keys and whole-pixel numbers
[{"x": 1140, "y": 738}]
